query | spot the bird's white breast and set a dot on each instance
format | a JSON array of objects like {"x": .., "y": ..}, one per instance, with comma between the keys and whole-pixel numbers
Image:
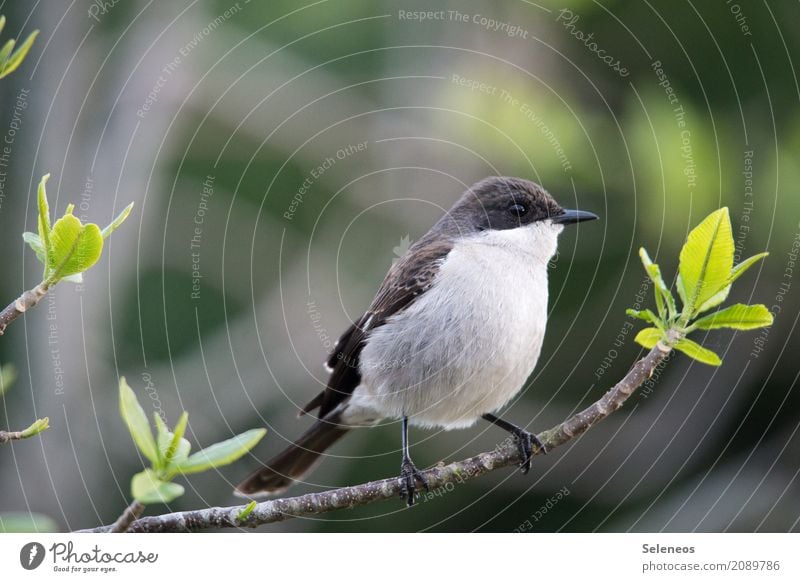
[{"x": 466, "y": 346}]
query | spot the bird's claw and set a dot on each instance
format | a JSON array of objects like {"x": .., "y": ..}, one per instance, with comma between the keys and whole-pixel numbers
[
  {"x": 409, "y": 475},
  {"x": 525, "y": 443}
]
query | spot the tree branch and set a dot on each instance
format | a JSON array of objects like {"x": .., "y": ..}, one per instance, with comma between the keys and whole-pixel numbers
[
  {"x": 131, "y": 514},
  {"x": 23, "y": 303},
  {"x": 503, "y": 455},
  {"x": 6, "y": 436}
]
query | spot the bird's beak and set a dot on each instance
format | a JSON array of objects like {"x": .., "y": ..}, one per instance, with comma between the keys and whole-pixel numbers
[{"x": 573, "y": 216}]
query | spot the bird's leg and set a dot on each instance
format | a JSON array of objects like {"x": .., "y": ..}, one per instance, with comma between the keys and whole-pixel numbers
[
  {"x": 525, "y": 440},
  {"x": 408, "y": 471}
]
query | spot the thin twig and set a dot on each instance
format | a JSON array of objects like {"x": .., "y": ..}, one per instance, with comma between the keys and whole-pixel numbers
[
  {"x": 23, "y": 303},
  {"x": 504, "y": 455},
  {"x": 37, "y": 427},
  {"x": 131, "y": 514}
]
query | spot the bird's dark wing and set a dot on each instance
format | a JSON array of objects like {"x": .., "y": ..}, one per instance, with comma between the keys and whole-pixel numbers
[{"x": 408, "y": 278}]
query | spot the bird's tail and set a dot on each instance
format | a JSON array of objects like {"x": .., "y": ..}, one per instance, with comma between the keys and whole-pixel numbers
[{"x": 293, "y": 462}]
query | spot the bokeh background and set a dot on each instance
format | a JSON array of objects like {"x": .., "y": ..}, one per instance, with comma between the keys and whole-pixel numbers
[{"x": 247, "y": 117}]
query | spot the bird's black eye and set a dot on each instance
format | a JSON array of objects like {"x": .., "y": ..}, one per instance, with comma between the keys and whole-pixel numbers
[{"x": 518, "y": 210}]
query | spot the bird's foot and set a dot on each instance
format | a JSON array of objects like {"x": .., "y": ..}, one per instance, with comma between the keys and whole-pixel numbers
[
  {"x": 410, "y": 474},
  {"x": 525, "y": 443}
]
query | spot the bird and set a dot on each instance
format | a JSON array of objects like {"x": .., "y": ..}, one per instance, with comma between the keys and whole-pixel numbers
[{"x": 451, "y": 336}]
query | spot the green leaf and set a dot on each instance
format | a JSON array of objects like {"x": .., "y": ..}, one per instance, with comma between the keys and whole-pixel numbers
[
  {"x": 37, "y": 427},
  {"x": 24, "y": 522},
  {"x": 44, "y": 216},
  {"x": 117, "y": 221},
  {"x": 706, "y": 260},
  {"x": 5, "y": 51},
  {"x": 681, "y": 291},
  {"x": 655, "y": 276},
  {"x": 8, "y": 375},
  {"x": 180, "y": 426},
  {"x": 74, "y": 247},
  {"x": 221, "y": 453},
  {"x": 136, "y": 420},
  {"x": 245, "y": 513},
  {"x": 19, "y": 55},
  {"x": 648, "y": 337},
  {"x": 714, "y": 300},
  {"x": 171, "y": 445},
  {"x": 161, "y": 427},
  {"x": 179, "y": 447},
  {"x": 645, "y": 315},
  {"x": 172, "y": 450},
  {"x": 2, "y": 22},
  {"x": 737, "y": 272},
  {"x": 739, "y": 269},
  {"x": 662, "y": 292},
  {"x": 163, "y": 439},
  {"x": 179, "y": 451},
  {"x": 698, "y": 352},
  {"x": 35, "y": 243},
  {"x": 69, "y": 247},
  {"x": 737, "y": 316},
  {"x": 147, "y": 488}
]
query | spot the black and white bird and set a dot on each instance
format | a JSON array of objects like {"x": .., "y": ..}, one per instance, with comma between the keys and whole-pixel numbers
[{"x": 451, "y": 336}]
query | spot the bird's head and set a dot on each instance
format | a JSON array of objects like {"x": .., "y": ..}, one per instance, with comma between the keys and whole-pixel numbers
[{"x": 509, "y": 209}]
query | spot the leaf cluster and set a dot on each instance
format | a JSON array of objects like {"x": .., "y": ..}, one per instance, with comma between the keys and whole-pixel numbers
[
  {"x": 68, "y": 247},
  {"x": 705, "y": 275},
  {"x": 10, "y": 59},
  {"x": 169, "y": 453}
]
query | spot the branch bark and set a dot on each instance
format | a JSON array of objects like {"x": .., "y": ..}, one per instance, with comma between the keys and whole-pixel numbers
[
  {"x": 124, "y": 521},
  {"x": 6, "y": 436},
  {"x": 504, "y": 455},
  {"x": 23, "y": 303}
]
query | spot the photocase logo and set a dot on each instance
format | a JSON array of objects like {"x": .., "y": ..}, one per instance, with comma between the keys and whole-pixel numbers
[
  {"x": 401, "y": 249},
  {"x": 31, "y": 555}
]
